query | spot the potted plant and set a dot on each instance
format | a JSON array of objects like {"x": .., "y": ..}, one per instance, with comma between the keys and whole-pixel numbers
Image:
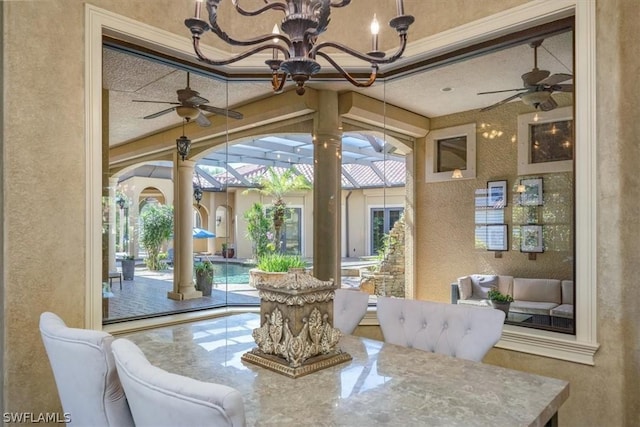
[
  {"x": 275, "y": 266},
  {"x": 128, "y": 267},
  {"x": 499, "y": 300},
  {"x": 204, "y": 277},
  {"x": 227, "y": 252}
]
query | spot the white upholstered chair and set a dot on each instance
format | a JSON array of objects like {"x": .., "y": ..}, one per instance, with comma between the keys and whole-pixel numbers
[
  {"x": 349, "y": 307},
  {"x": 159, "y": 398},
  {"x": 85, "y": 374},
  {"x": 461, "y": 331}
]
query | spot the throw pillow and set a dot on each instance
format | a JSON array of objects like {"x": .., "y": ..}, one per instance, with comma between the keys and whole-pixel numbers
[
  {"x": 481, "y": 284},
  {"x": 464, "y": 285}
]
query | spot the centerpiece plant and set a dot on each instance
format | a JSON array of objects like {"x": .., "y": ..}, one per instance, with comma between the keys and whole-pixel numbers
[{"x": 277, "y": 262}]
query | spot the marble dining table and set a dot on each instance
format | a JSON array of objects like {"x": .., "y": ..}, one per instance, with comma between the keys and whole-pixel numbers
[{"x": 383, "y": 384}]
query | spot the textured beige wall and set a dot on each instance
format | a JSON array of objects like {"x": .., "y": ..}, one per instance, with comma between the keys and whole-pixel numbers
[
  {"x": 44, "y": 145},
  {"x": 446, "y": 211}
]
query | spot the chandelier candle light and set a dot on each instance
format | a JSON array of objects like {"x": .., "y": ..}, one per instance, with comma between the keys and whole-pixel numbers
[{"x": 304, "y": 22}]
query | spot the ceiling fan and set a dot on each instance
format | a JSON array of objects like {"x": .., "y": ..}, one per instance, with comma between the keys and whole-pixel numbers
[
  {"x": 538, "y": 86},
  {"x": 190, "y": 106}
]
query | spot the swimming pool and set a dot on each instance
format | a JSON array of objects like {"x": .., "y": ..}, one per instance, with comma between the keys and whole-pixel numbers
[{"x": 231, "y": 273}]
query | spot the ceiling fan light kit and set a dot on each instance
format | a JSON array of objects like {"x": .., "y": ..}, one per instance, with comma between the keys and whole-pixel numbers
[
  {"x": 304, "y": 21},
  {"x": 191, "y": 106},
  {"x": 538, "y": 86},
  {"x": 189, "y": 113}
]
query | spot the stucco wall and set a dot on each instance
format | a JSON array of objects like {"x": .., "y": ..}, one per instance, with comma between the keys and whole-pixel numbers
[{"x": 44, "y": 155}]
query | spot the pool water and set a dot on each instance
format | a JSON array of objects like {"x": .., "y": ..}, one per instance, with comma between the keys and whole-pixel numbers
[{"x": 231, "y": 273}]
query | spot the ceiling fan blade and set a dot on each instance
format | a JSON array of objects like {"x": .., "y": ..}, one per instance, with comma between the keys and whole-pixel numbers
[
  {"x": 497, "y": 104},
  {"x": 562, "y": 88},
  {"x": 221, "y": 111},
  {"x": 555, "y": 79},
  {"x": 156, "y": 102},
  {"x": 500, "y": 91},
  {"x": 203, "y": 121},
  {"x": 159, "y": 113},
  {"x": 190, "y": 97}
]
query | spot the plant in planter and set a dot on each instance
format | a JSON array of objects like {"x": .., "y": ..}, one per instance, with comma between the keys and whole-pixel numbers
[
  {"x": 275, "y": 266},
  {"x": 128, "y": 267},
  {"x": 204, "y": 277},
  {"x": 228, "y": 252},
  {"x": 277, "y": 262},
  {"x": 499, "y": 300}
]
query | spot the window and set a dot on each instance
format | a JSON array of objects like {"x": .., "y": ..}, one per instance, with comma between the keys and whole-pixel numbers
[
  {"x": 545, "y": 141},
  {"x": 382, "y": 221},
  {"x": 450, "y": 149}
]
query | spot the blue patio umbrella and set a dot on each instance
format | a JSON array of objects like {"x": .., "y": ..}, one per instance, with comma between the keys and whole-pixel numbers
[{"x": 199, "y": 233}]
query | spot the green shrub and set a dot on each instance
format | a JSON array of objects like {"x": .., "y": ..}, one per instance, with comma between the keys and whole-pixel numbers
[{"x": 276, "y": 262}]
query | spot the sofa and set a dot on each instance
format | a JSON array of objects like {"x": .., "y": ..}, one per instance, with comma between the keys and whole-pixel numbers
[{"x": 546, "y": 297}]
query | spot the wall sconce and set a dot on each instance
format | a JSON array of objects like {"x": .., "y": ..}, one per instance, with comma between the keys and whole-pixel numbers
[
  {"x": 520, "y": 188},
  {"x": 218, "y": 221},
  {"x": 457, "y": 174},
  {"x": 197, "y": 194}
]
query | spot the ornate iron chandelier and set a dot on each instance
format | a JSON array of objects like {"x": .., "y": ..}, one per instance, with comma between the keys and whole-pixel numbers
[{"x": 304, "y": 22}]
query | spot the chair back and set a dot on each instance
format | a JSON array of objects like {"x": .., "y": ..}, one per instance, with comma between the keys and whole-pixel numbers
[
  {"x": 349, "y": 307},
  {"x": 85, "y": 374},
  {"x": 159, "y": 398},
  {"x": 462, "y": 331}
]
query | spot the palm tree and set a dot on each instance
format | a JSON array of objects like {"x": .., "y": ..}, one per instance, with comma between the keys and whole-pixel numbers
[{"x": 277, "y": 186}]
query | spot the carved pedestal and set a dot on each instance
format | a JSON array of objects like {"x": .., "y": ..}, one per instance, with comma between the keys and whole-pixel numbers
[{"x": 296, "y": 336}]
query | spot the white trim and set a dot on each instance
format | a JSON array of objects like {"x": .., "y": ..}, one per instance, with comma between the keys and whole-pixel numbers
[
  {"x": 532, "y": 13},
  {"x": 93, "y": 167},
  {"x": 586, "y": 167},
  {"x": 525, "y": 167},
  {"x": 548, "y": 344},
  {"x": 431, "y": 155}
]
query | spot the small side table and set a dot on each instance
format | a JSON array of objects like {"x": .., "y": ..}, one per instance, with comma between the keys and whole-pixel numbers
[{"x": 115, "y": 275}]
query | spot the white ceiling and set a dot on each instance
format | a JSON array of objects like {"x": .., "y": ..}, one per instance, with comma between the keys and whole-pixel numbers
[{"x": 130, "y": 77}]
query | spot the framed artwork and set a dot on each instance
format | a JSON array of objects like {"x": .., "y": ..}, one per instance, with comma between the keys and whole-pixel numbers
[
  {"x": 497, "y": 194},
  {"x": 546, "y": 141},
  {"x": 497, "y": 237},
  {"x": 532, "y": 194},
  {"x": 531, "y": 239}
]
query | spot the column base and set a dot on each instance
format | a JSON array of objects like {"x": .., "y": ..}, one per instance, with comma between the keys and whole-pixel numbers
[{"x": 179, "y": 296}]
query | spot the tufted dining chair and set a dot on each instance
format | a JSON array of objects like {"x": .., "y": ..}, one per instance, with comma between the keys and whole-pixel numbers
[
  {"x": 159, "y": 398},
  {"x": 85, "y": 374},
  {"x": 349, "y": 307},
  {"x": 461, "y": 331}
]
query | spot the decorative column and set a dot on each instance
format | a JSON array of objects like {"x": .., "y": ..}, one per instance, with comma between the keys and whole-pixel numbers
[
  {"x": 183, "y": 287},
  {"x": 327, "y": 153},
  {"x": 113, "y": 209}
]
